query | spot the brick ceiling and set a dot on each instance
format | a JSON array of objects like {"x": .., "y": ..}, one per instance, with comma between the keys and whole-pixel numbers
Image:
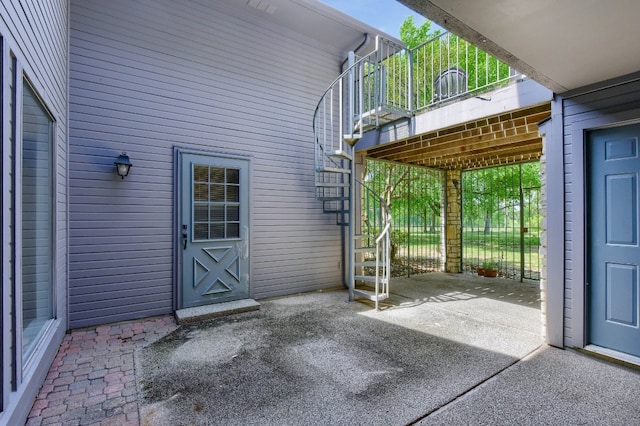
[{"x": 501, "y": 139}]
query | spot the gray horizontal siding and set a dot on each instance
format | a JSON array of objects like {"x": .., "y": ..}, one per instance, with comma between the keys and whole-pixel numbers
[
  {"x": 597, "y": 107},
  {"x": 36, "y": 34},
  {"x": 151, "y": 75}
]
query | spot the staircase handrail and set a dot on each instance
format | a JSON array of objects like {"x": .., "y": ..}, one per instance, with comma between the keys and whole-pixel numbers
[
  {"x": 335, "y": 82},
  {"x": 385, "y": 206},
  {"x": 383, "y": 245}
]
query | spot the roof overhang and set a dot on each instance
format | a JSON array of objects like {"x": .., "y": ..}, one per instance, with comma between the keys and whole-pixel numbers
[
  {"x": 563, "y": 45},
  {"x": 332, "y": 30}
]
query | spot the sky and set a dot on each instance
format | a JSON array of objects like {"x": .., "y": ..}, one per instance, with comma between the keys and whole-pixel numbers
[{"x": 386, "y": 15}]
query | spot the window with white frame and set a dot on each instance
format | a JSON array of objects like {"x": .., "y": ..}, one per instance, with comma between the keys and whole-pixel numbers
[{"x": 36, "y": 219}]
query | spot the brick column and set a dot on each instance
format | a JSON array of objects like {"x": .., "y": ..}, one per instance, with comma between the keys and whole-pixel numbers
[{"x": 453, "y": 220}]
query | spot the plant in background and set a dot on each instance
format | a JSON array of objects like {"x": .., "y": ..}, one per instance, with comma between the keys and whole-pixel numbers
[{"x": 398, "y": 238}]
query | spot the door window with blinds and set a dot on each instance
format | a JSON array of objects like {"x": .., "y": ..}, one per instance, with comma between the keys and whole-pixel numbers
[{"x": 216, "y": 203}]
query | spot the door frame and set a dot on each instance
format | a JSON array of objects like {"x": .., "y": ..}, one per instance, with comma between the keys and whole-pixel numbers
[
  {"x": 579, "y": 222},
  {"x": 178, "y": 152}
]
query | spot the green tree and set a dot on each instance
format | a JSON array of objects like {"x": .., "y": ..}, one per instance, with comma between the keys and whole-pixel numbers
[
  {"x": 444, "y": 51},
  {"x": 413, "y": 35}
]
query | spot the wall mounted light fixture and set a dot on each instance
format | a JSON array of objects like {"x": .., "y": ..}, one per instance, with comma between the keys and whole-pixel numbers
[
  {"x": 455, "y": 183},
  {"x": 123, "y": 164}
]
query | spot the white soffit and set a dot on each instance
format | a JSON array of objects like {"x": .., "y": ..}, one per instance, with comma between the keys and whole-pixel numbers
[
  {"x": 569, "y": 43},
  {"x": 336, "y": 31}
]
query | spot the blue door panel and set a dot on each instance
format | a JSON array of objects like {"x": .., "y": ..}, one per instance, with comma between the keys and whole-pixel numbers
[
  {"x": 613, "y": 299},
  {"x": 622, "y": 209},
  {"x": 622, "y": 294}
]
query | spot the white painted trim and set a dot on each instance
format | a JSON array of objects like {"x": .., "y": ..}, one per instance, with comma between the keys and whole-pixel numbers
[
  {"x": 579, "y": 141},
  {"x": 18, "y": 72},
  {"x": 610, "y": 353},
  {"x": 6, "y": 222}
]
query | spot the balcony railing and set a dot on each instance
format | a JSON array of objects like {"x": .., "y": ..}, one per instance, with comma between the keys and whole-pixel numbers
[
  {"x": 446, "y": 67},
  {"x": 443, "y": 68}
]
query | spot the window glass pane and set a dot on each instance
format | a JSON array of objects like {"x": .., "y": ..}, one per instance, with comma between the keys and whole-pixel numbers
[
  {"x": 200, "y": 173},
  {"x": 217, "y": 230},
  {"x": 201, "y": 212},
  {"x": 201, "y": 231},
  {"x": 217, "y": 193},
  {"x": 217, "y": 213},
  {"x": 233, "y": 194},
  {"x": 37, "y": 213},
  {"x": 200, "y": 192},
  {"x": 217, "y": 175},
  {"x": 233, "y": 230},
  {"x": 233, "y": 176},
  {"x": 233, "y": 213}
]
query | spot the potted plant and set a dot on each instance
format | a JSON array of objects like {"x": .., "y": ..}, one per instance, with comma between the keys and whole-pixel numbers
[{"x": 490, "y": 269}]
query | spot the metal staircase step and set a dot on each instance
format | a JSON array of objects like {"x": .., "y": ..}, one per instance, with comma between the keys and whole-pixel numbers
[
  {"x": 368, "y": 263},
  {"x": 331, "y": 185},
  {"x": 365, "y": 249},
  {"x": 339, "y": 153},
  {"x": 351, "y": 139},
  {"x": 335, "y": 211},
  {"x": 367, "y": 294},
  {"x": 333, "y": 198},
  {"x": 370, "y": 279},
  {"x": 333, "y": 170}
]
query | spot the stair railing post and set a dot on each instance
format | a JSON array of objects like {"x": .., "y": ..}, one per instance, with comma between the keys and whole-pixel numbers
[
  {"x": 411, "y": 85},
  {"x": 351, "y": 99}
]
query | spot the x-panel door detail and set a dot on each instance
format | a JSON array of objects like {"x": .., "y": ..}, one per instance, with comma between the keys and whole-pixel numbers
[{"x": 214, "y": 204}]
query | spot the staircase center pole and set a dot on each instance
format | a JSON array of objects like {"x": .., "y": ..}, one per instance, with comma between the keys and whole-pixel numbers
[{"x": 352, "y": 233}]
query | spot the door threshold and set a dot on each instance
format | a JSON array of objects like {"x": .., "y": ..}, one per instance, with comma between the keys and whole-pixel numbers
[
  {"x": 612, "y": 355},
  {"x": 200, "y": 313}
]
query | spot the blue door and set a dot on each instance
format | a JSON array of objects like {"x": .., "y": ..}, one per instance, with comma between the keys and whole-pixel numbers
[
  {"x": 214, "y": 209},
  {"x": 613, "y": 315}
]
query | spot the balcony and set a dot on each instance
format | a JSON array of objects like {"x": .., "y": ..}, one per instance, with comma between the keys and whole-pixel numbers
[{"x": 444, "y": 104}]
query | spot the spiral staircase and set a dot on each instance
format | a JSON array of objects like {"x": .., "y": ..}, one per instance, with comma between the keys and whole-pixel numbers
[{"x": 359, "y": 100}]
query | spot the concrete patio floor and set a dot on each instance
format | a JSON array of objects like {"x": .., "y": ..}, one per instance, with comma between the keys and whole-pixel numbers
[
  {"x": 317, "y": 359},
  {"x": 444, "y": 349}
]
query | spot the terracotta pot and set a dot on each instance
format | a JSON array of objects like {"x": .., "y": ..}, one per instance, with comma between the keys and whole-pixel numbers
[
  {"x": 480, "y": 271},
  {"x": 491, "y": 273}
]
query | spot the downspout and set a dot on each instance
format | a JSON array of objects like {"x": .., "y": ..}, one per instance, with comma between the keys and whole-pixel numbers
[{"x": 360, "y": 46}]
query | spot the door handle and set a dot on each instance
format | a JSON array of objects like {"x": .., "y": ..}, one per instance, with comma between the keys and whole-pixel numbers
[{"x": 184, "y": 237}]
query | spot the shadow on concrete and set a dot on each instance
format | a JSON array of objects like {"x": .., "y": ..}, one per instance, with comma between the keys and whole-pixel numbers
[{"x": 317, "y": 359}]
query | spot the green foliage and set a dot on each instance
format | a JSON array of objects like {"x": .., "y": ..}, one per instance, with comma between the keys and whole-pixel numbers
[
  {"x": 447, "y": 51},
  {"x": 413, "y": 35},
  {"x": 398, "y": 238}
]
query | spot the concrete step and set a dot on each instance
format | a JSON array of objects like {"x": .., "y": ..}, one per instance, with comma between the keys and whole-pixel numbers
[{"x": 201, "y": 313}]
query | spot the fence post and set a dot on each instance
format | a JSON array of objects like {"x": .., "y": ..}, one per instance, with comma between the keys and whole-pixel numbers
[{"x": 522, "y": 268}]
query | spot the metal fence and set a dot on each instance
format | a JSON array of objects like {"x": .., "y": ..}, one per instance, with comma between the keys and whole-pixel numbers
[
  {"x": 415, "y": 196},
  {"x": 501, "y": 221},
  {"x": 445, "y": 67}
]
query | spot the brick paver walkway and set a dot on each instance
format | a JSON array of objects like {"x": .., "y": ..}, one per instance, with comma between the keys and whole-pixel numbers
[{"x": 92, "y": 379}]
